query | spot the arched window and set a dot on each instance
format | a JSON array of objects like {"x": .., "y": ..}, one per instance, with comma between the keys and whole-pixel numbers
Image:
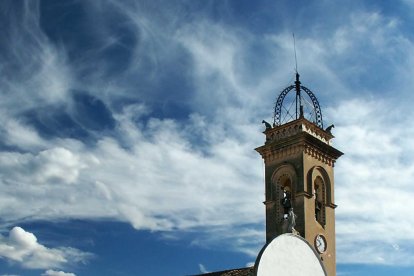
[{"x": 320, "y": 200}]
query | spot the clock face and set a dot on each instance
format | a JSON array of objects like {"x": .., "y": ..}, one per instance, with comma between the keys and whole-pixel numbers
[{"x": 320, "y": 243}]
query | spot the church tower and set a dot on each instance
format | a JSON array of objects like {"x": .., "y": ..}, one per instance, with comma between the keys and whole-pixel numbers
[{"x": 299, "y": 173}]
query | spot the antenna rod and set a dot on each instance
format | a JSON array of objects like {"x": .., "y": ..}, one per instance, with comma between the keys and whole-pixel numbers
[
  {"x": 294, "y": 48},
  {"x": 297, "y": 84}
]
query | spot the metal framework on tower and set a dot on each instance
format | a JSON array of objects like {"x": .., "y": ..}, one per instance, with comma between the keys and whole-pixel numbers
[{"x": 305, "y": 107}]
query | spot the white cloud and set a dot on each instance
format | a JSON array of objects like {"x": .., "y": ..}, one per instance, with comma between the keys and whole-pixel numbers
[
  {"x": 113, "y": 177},
  {"x": 18, "y": 133},
  {"x": 377, "y": 252},
  {"x": 51, "y": 272},
  {"x": 58, "y": 164},
  {"x": 202, "y": 268},
  {"x": 373, "y": 188},
  {"x": 250, "y": 264},
  {"x": 22, "y": 247},
  {"x": 54, "y": 165}
]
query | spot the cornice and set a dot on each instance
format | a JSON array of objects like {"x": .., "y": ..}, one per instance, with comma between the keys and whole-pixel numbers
[
  {"x": 301, "y": 143},
  {"x": 272, "y": 153},
  {"x": 300, "y": 136},
  {"x": 294, "y": 127},
  {"x": 319, "y": 155}
]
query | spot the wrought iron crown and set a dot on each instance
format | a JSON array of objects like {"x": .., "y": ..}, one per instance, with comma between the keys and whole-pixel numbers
[{"x": 284, "y": 114}]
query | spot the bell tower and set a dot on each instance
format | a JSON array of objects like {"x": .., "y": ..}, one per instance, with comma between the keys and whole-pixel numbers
[{"x": 299, "y": 173}]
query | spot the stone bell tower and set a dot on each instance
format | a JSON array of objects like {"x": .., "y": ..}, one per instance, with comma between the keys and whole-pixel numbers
[{"x": 299, "y": 173}]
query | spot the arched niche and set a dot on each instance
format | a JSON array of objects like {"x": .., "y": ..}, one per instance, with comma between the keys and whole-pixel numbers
[{"x": 283, "y": 189}]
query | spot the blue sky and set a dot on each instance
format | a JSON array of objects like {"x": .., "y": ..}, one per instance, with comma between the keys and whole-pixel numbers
[{"x": 127, "y": 131}]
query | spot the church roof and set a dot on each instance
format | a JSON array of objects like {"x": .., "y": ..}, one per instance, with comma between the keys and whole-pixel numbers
[{"x": 248, "y": 271}]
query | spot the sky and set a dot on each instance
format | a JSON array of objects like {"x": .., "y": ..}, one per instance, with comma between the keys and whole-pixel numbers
[{"x": 128, "y": 128}]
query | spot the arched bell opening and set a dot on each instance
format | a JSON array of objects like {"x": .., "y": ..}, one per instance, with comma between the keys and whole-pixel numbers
[
  {"x": 283, "y": 190},
  {"x": 319, "y": 195}
]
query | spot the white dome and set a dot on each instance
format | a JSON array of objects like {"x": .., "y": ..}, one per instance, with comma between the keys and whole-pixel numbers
[{"x": 289, "y": 255}]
